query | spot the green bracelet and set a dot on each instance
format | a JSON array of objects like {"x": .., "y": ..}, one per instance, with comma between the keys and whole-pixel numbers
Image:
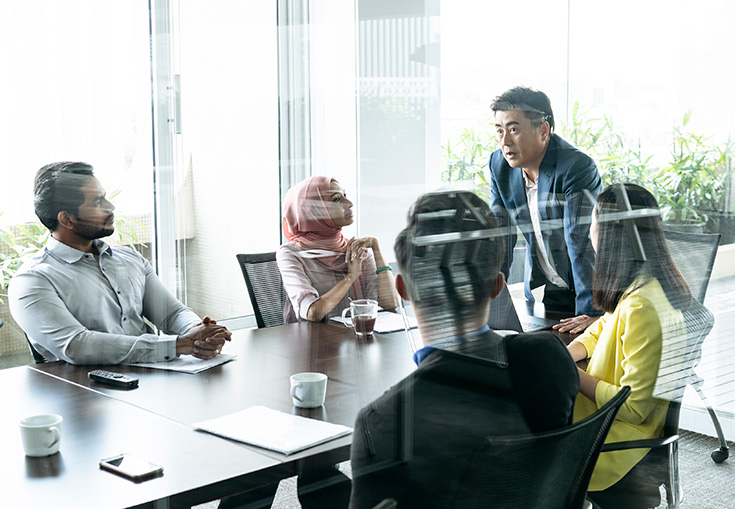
[{"x": 381, "y": 269}]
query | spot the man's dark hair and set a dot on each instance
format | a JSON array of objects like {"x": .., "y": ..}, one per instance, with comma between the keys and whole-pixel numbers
[
  {"x": 534, "y": 103},
  {"x": 449, "y": 255},
  {"x": 58, "y": 186}
]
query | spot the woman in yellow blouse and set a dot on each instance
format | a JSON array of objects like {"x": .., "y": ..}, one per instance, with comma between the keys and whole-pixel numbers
[{"x": 643, "y": 298}]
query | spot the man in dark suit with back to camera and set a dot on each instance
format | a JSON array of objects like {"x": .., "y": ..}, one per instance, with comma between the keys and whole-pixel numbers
[
  {"x": 538, "y": 182},
  {"x": 414, "y": 443}
]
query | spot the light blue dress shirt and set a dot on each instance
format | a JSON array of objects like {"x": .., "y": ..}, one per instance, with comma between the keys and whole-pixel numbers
[{"x": 82, "y": 311}]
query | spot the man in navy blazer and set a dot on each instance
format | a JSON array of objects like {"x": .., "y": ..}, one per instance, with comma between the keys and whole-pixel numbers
[
  {"x": 538, "y": 182},
  {"x": 415, "y": 443}
]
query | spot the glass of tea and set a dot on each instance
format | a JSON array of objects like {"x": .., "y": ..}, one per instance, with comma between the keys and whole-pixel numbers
[{"x": 363, "y": 313}]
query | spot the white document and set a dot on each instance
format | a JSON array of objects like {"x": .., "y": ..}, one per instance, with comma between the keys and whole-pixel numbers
[
  {"x": 188, "y": 363},
  {"x": 386, "y": 322},
  {"x": 274, "y": 430}
]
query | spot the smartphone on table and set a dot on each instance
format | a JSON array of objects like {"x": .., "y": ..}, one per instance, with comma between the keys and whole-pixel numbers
[{"x": 131, "y": 467}]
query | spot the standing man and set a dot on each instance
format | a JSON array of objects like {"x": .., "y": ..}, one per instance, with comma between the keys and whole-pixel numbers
[
  {"x": 538, "y": 182},
  {"x": 85, "y": 302}
]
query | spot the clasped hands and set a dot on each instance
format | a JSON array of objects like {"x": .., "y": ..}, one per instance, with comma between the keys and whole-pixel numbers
[
  {"x": 356, "y": 251},
  {"x": 204, "y": 340}
]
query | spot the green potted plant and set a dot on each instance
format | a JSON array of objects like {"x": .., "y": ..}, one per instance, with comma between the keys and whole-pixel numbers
[
  {"x": 721, "y": 218},
  {"x": 466, "y": 161},
  {"x": 691, "y": 188},
  {"x": 16, "y": 246}
]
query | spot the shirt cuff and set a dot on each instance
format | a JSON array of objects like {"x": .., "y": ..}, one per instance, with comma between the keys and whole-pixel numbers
[
  {"x": 305, "y": 304},
  {"x": 166, "y": 348},
  {"x": 604, "y": 392},
  {"x": 589, "y": 345}
]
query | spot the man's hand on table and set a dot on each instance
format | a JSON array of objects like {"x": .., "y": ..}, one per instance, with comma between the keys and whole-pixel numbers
[
  {"x": 576, "y": 324},
  {"x": 204, "y": 341}
]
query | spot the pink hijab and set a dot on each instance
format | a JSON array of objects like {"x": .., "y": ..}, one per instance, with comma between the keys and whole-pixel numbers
[{"x": 308, "y": 224}]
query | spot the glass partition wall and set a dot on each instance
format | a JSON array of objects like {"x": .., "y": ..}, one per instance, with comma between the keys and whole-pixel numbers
[
  {"x": 387, "y": 97},
  {"x": 225, "y": 55},
  {"x": 75, "y": 85},
  {"x": 199, "y": 116},
  {"x": 646, "y": 95}
]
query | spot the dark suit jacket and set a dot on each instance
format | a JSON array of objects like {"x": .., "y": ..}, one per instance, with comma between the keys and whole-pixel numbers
[
  {"x": 564, "y": 174},
  {"x": 414, "y": 442}
]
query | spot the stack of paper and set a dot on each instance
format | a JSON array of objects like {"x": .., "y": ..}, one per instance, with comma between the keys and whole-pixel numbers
[
  {"x": 187, "y": 363},
  {"x": 392, "y": 322},
  {"x": 274, "y": 430}
]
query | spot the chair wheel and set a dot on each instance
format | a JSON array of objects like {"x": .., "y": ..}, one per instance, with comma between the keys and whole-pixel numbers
[{"x": 720, "y": 455}]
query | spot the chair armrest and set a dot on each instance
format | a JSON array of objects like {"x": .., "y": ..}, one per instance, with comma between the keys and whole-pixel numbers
[{"x": 640, "y": 444}]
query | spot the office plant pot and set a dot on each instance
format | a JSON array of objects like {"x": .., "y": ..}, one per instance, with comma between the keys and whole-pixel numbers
[
  {"x": 722, "y": 222},
  {"x": 690, "y": 226},
  {"x": 727, "y": 228}
]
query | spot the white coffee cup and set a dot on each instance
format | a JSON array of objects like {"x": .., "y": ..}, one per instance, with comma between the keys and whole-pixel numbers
[
  {"x": 41, "y": 434},
  {"x": 308, "y": 390}
]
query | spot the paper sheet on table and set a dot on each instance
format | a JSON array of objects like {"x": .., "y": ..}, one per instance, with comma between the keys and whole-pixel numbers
[
  {"x": 274, "y": 430},
  {"x": 386, "y": 322},
  {"x": 187, "y": 363}
]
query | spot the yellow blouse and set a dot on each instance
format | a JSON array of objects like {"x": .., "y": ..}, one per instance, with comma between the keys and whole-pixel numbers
[{"x": 624, "y": 348}]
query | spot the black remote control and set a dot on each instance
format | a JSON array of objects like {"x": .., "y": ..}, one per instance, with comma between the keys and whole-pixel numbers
[{"x": 113, "y": 379}]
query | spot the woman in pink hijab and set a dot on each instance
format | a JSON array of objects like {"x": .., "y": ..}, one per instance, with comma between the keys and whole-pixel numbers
[{"x": 321, "y": 269}]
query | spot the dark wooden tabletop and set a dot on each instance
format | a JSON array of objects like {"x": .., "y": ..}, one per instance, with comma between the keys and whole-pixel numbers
[
  {"x": 266, "y": 358},
  {"x": 96, "y": 427},
  {"x": 359, "y": 370}
]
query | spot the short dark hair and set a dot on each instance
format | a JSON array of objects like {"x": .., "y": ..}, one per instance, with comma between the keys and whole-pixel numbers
[
  {"x": 452, "y": 276},
  {"x": 58, "y": 187},
  {"x": 534, "y": 103},
  {"x": 616, "y": 264}
]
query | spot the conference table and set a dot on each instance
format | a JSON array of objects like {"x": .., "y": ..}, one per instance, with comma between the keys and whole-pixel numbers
[
  {"x": 95, "y": 427},
  {"x": 155, "y": 420}
]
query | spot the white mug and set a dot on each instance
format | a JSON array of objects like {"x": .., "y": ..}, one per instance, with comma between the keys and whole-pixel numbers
[
  {"x": 308, "y": 390},
  {"x": 41, "y": 434}
]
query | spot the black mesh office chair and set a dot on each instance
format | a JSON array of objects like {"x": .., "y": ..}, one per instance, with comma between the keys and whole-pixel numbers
[
  {"x": 694, "y": 254},
  {"x": 550, "y": 469},
  {"x": 721, "y": 454},
  {"x": 265, "y": 287},
  {"x": 37, "y": 357},
  {"x": 661, "y": 465}
]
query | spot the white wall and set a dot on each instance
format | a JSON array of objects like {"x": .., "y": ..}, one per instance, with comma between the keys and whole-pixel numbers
[
  {"x": 228, "y": 56},
  {"x": 75, "y": 86}
]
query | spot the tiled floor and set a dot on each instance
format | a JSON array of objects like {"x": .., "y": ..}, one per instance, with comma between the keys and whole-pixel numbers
[
  {"x": 717, "y": 366},
  {"x": 718, "y": 351}
]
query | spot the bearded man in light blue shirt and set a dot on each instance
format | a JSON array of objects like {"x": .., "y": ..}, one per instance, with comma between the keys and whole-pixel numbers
[{"x": 85, "y": 302}]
